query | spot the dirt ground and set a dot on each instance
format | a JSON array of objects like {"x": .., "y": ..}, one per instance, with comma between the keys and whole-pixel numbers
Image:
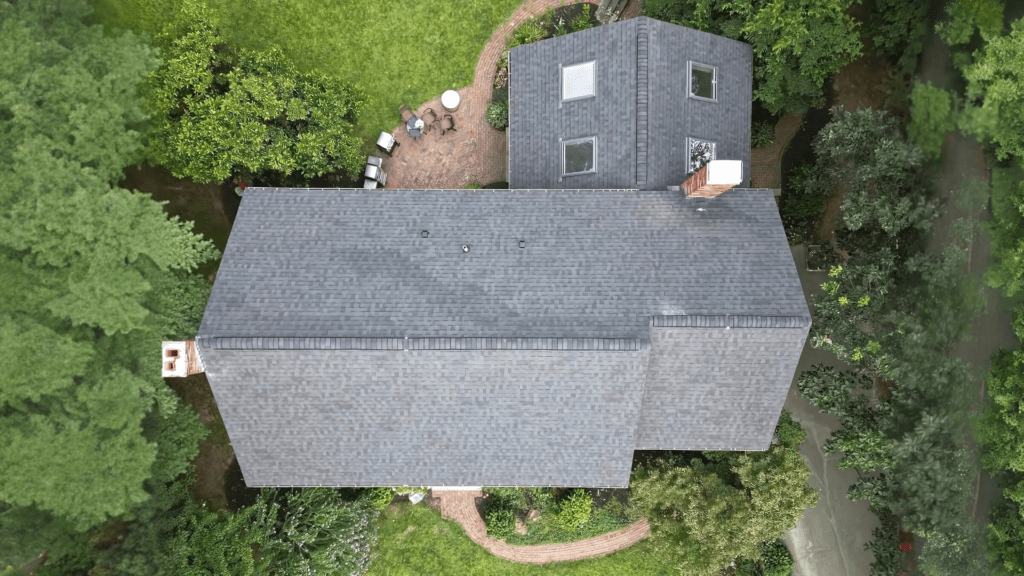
[
  {"x": 215, "y": 453},
  {"x": 211, "y": 206}
]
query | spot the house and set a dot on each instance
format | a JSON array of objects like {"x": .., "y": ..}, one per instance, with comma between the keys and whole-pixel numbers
[{"x": 534, "y": 336}]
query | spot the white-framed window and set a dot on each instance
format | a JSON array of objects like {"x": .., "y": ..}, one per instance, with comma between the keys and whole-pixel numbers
[
  {"x": 699, "y": 152},
  {"x": 703, "y": 82},
  {"x": 579, "y": 81},
  {"x": 579, "y": 156}
]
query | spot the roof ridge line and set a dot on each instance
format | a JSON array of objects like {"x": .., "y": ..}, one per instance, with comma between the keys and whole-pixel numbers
[
  {"x": 641, "y": 103},
  {"x": 428, "y": 343},
  {"x": 731, "y": 321}
]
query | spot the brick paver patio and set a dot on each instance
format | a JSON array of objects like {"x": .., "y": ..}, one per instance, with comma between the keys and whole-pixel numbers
[
  {"x": 475, "y": 152},
  {"x": 766, "y": 162},
  {"x": 460, "y": 505}
]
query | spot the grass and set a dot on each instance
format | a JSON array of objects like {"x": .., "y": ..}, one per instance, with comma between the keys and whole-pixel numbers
[
  {"x": 396, "y": 52},
  {"x": 415, "y": 540}
]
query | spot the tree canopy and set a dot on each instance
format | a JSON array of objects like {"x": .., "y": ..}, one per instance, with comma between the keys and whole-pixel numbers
[
  {"x": 221, "y": 111},
  {"x": 86, "y": 417},
  {"x": 713, "y": 510},
  {"x": 798, "y": 44},
  {"x": 994, "y": 81}
]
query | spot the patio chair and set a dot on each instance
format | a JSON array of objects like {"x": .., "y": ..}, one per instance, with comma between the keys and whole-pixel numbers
[
  {"x": 431, "y": 120},
  {"x": 406, "y": 114},
  {"x": 447, "y": 124}
]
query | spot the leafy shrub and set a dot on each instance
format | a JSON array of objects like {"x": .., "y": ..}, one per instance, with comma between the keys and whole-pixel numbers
[
  {"x": 775, "y": 560},
  {"x": 497, "y": 114},
  {"x": 762, "y": 134},
  {"x": 501, "y": 522},
  {"x": 897, "y": 23},
  {"x": 380, "y": 497},
  {"x": 527, "y": 32},
  {"x": 932, "y": 111},
  {"x": 500, "y": 511},
  {"x": 582, "y": 22},
  {"x": 575, "y": 509},
  {"x": 802, "y": 202},
  {"x": 473, "y": 186},
  {"x": 560, "y": 29}
]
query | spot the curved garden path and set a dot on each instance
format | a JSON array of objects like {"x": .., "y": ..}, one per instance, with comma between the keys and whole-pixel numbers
[
  {"x": 460, "y": 505},
  {"x": 475, "y": 152}
]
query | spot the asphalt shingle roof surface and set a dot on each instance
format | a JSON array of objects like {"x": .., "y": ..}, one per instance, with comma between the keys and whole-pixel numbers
[
  {"x": 713, "y": 388},
  {"x": 344, "y": 348},
  {"x": 597, "y": 263},
  {"x": 641, "y": 114},
  {"x": 430, "y": 418}
]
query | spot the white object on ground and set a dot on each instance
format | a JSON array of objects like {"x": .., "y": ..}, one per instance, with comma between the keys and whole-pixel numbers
[
  {"x": 450, "y": 100},
  {"x": 415, "y": 497}
]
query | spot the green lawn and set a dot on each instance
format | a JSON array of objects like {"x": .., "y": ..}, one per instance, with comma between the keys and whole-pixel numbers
[
  {"x": 415, "y": 541},
  {"x": 396, "y": 51}
]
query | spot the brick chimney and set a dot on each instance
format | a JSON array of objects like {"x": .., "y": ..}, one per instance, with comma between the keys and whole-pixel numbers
[
  {"x": 714, "y": 178},
  {"x": 181, "y": 359}
]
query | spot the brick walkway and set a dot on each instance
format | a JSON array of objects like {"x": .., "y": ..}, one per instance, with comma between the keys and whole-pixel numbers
[
  {"x": 475, "y": 152},
  {"x": 460, "y": 505},
  {"x": 766, "y": 163}
]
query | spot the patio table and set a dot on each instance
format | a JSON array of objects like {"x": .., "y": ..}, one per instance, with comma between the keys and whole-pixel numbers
[
  {"x": 414, "y": 126},
  {"x": 450, "y": 100}
]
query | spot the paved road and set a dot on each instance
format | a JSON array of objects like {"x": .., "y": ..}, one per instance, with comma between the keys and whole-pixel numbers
[{"x": 829, "y": 538}]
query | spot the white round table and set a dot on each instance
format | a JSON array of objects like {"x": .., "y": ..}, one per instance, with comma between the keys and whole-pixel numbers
[{"x": 450, "y": 100}]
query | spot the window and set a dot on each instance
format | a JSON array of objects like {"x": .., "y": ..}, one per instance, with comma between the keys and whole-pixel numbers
[
  {"x": 700, "y": 153},
  {"x": 703, "y": 82},
  {"x": 578, "y": 81},
  {"x": 579, "y": 156}
]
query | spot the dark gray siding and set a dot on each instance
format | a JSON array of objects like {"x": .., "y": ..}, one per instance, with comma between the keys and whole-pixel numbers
[
  {"x": 642, "y": 115},
  {"x": 430, "y": 418},
  {"x": 674, "y": 116},
  {"x": 538, "y": 121}
]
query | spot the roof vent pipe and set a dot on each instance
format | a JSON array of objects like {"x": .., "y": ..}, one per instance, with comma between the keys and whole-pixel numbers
[{"x": 465, "y": 248}]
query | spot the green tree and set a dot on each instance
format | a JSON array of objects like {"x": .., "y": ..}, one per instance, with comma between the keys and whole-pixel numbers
[
  {"x": 994, "y": 81},
  {"x": 710, "y": 512},
  {"x": 221, "y": 111},
  {"x": 964, "y": 16},
  {"x": 932, "y": 114},
  {"x": 86, "y": 417},
  {"x": 865, "y": 151},
  {"x": 1006, "y": 229},
  {"x": 897, "y": 23},
  {"x": 798, "y": 44}
]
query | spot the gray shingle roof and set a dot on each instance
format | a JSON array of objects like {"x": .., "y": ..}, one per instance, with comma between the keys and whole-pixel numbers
[
  {"x": 712, "y": 388},
  {"x": 641, "y": 115},
  {"x": 343, "y": 348},
  {"x": 597, "y": 263},
  {"x": 431, "y": 417}
]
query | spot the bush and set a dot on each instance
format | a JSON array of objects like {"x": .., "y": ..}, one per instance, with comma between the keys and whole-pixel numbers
[
  {"x": 497, "y": 114},
  {"x": 801, "y": 203},
  {"x": 575, "y": 509},
  {"x": 582, "y": 22},
  {"x": 762, "y": 134},
  {"x": 380, "y": 497},
  {"x": 527, "y": 33},
  {"x": 932, "y": 112},
  {"x": 501, "y": 523},
  {"x": 500, "y": 511},
  {"x": 775, "y": 560}
]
